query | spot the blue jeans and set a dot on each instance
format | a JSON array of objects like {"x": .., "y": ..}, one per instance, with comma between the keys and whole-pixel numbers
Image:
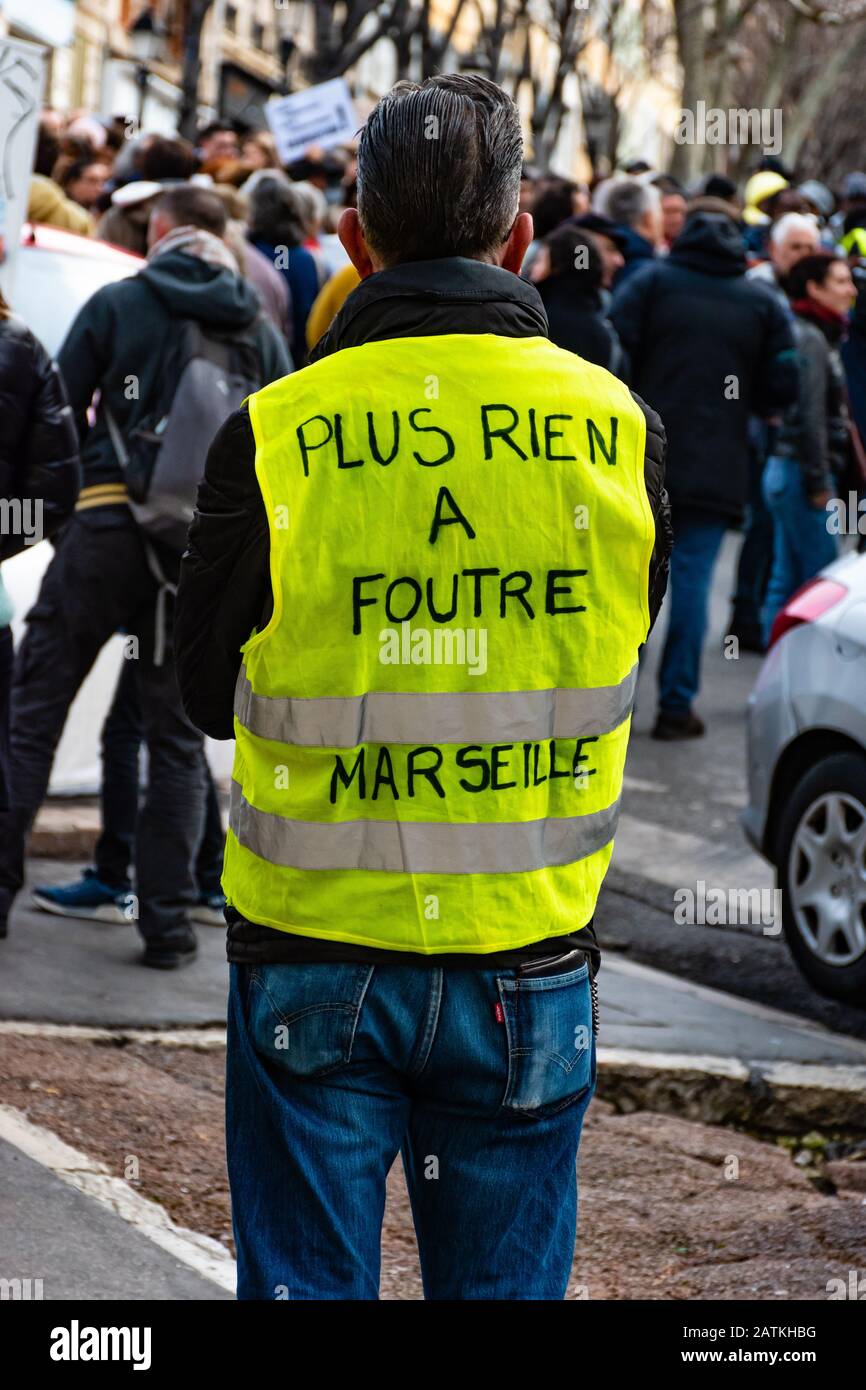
[
  {"x": 696, "y": 548},
  {"x": 479, "y": 1078},
  {"x": 802, "y": 544}
]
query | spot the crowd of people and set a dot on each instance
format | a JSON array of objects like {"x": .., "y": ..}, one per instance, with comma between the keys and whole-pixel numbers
[
  {"x": 415, "y": 847},
  {"x": 733, "y": 314},
  {"x": 91, "y": 179},
  {"x": 737, "y": 317}
]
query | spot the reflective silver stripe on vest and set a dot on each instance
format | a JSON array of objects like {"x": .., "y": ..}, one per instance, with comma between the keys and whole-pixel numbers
[
  {"x": 512, "y": 716},
  {"x": 426, "y": 848}
]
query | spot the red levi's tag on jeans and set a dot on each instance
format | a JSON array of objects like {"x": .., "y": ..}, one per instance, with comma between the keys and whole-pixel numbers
[{"x": 498, "y": 1013}]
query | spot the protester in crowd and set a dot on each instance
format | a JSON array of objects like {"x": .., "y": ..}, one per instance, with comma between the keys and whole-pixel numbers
[
  {"x": 853, "y": 195},
  {"x": 39, "y": 481},
  {"x": 819, "y": 201},
  {"x": 47, "y": 203},
  {"x": 278, "y": 221},
  {"x": 328, "y": 917},
  {"x": 85, "y": 134},
  {"x": 795, "y": 235},
  {"x": 52, "y": 123},
  {"x": 720, "y": 186},
  {"x": 84, "y": 182},
  {"x": 810, "y": 449},
  {"x": 164, "y": 160},
  {"x": 109, "y": 575},
  {"x": 611, "y": 242},
  {"x": 853, "y": 233},
  {"x": 853, "y": 350},
  {"x": 555, "y": 200},
  {"x": 102, "y": 894},
  {"x": 760, "y": 189},
  {"x": 636, "y": 208},
  {"x": 571, "y": 294},
  {"x": 271, "y": 287},
  {"x": 125, "y": 223},
  {"x": 529, "y": 179},
  {"x": 322, "y": 168},
  {"x": 215, "y": 142},
  {"x": 259, "y": 151},
  {"x": 673, "y": 208},
  {"x": 314, "y": 210},
  {"x": 158, "y": 161},
  {"x": 773, "y": 207},
  {"x": 708, "y": 348}
]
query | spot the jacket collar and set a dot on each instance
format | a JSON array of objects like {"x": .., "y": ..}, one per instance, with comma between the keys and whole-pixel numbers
[
  {"x": 832, "y": 325},
  {"x": 429, "y": 298}
]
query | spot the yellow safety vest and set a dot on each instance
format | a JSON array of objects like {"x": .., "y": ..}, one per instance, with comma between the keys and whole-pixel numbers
[{"x": 432, "y": 727}]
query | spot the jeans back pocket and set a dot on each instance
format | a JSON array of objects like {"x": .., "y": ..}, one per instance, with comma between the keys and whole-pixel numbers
[
  {"x": 551, "y": 1047},
  {"x": 303, "y": 1018}
]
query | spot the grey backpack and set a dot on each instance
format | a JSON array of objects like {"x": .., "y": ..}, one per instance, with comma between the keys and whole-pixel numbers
[{"x": 206, "y": 376}]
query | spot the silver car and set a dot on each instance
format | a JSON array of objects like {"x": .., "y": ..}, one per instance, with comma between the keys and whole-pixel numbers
[{"x": 806, "y": 722}]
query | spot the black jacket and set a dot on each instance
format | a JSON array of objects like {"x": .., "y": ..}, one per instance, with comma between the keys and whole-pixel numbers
[
  {"x": 119, "y": 338},
  {"x": 38, "y": 445},
  {"x": 576, "y": 322},
  {"x": 225, "y": 583},
  {"x": 814, "y": 430},
  {"x": 707, "y": 347}
]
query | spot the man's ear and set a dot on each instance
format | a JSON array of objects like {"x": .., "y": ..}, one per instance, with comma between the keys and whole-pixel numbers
[
  {"x": 350, "y": 233},
  {"x": 517, "y": 244}
]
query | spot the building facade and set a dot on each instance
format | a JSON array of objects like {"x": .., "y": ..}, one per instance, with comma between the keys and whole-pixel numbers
[{"x": 254, "y": 49}]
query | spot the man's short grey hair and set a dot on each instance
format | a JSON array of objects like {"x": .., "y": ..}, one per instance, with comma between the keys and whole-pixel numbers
[
  {"x": 793, "y": 222},
  {"x": 626, "y": 201},
  {"x": 439, "y": 169}
]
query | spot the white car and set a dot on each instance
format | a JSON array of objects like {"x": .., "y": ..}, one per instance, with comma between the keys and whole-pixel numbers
[
  {"x": 806, "y": 723},
  {"x": 56, "y": 274}
]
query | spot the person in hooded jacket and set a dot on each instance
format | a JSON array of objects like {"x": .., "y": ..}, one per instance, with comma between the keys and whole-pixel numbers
[
  {"x": 571, "y": 294},
  {"x": 102, "y": 577},
  {"x": 810, "y": 452},
  {"x": 708, "y": 347},
  {"x": 39, "y": 475}
]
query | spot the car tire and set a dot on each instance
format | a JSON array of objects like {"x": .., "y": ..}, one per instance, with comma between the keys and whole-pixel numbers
[{"x": 823, "y": 886}]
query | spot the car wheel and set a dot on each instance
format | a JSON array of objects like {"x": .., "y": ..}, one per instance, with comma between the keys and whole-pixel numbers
[{"x": 821, "y": 863}]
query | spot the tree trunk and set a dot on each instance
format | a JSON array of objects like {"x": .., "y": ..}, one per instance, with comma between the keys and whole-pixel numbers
[
  {"x": 814, "y": 97},
  {"x": 692, "y": 44}
]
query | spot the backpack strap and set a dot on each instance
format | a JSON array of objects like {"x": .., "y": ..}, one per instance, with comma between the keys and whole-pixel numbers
[
  {"x": 164, "y": 585},
  {"x": 114, "y": 434}
]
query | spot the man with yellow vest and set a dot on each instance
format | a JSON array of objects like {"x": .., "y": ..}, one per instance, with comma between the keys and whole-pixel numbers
[{"x": 415, "y": 592}]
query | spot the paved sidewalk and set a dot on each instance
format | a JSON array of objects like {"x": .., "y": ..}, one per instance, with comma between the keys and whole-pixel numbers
[
  {"x": 58, "y": 970},
  {"x": 78, "y": 1248}
]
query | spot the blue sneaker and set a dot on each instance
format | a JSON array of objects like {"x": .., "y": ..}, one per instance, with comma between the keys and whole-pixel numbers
[
  {"x": 89, "y": 898},
  {"x": 209, "y": 910}
]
